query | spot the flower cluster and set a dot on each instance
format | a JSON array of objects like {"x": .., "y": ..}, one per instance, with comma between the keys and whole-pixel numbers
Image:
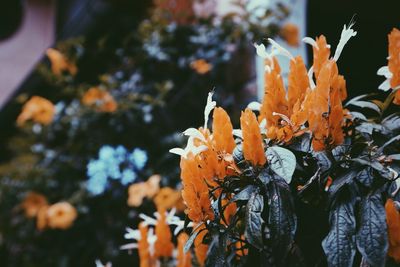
[
  {"x": 303, "y": 141},
  {"x": 37, "y": 109},
  {"x": 60, "y": 215},
  {"x": 116, "y": 163}
]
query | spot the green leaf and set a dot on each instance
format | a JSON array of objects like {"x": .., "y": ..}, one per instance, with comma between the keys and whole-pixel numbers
[
  {"x": 282, "y": 219},
  {"x": 392, "y": 122},
  {"x": 254, "y": 221},
  {"x": 339, "y": 245},
  {"x": 216, "y": 252},
  {"x": 372, "y": 240},
  {"x": 358, "y": 115},
  {"x": 191, "y": 239},
  {"x": 366, "y": 104},
  {"x": 281, "y": 161},
  {"x": 365, "y": 177},
  {"x": 245, "y": 194},
  {"x": 323, "y": 161}
]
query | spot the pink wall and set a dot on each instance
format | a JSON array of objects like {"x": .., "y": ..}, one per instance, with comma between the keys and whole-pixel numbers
[{"x": 20, "y": 52}]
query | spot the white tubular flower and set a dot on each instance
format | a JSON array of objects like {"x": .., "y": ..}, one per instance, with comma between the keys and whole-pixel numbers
[
  {"x": 345, "y": 36},
  {"x": 262, "y": 51},
  {"x": 190, "y": 148},
  {"x": 209, "y": 107},
  {"x": 99, "y": 264},
  {"x": 384, "y": 71},
  {"x": 263, "y": 126},
  {"x": 279, "y": 49},
  {"x": 310, "y": 41},
  {"x": 195, "y": 133},
  {"x": 256, "y": 106},
  {"x": 310, "y": 78}
]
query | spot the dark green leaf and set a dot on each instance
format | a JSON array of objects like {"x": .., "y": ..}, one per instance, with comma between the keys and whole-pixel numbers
[
  {"x": 265, "y": 176},
  {"x": 254, "y": 221},
  {"x": 372, "y": 240},
  {"x": 216, "y": 252},
  {"x": 340, "y": 181},
  {"x": 323, "y": 161},
  {"x": 339, "y": 245},
  {"x": 191, "y": 239},
  {"x": 281, "y": 161},
  {"x": 365, "y": 176},
  {"x": 245, "y": 193},
  {"x": 366, "y": 104},
  {"x": 281, "y": 219},
  {"x": 392, "y": 122}
]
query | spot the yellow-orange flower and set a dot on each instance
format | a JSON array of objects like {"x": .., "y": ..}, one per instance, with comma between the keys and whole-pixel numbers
[
  {"x": 61, "y": 215},
  {"x": 253, "y": 147},
  {"x": 59, "y": 63},
  {"x": 321, "y": 53},
  {"x": 290, "y": 33},
  {"x": 201, "y": 66},
  {"x": 102, "y": 100},
  {"x": 168, "y": 198},
  {"x": 222, "y": 131},
  {"x": 163, "y": 246},
  {"x": 137, "y": 192},
  {"x": 394, "y": 58},
  {"x": 184, "y": 259},
  {"x": 32, "y": 203},
  {"x": 37, "y": 109},
  {"x": 195, "y": 191},
  {"x": 41, "y": 219},
  {"x": 144, "y": 247},
  {"x": 393, "y": 223}
]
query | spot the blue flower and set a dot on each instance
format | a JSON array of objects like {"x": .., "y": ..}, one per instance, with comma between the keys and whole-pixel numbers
[
  {"x": 138, "y": 158},
  {"x": 128, "y": 176},
  {"x": 114, "y": 163}
]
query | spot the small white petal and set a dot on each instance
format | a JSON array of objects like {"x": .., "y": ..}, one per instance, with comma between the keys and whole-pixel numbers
[
  {"x": 198, "y": 149},
  {"x": 261, "y": 51},
  {"x": 195, "y": 133},
  {"x": 254, "y": 106},
  {"x": 209, "y": 107},
  {"x": 345, "y": 36},
  {"x": 279, "y": 49},
  {"x": 385, "y": 86},
  {"x": 310, "y": 41},
  {"x": 129, "y": 246},
  {"x": 384, "y": 71},
  {"x": 178, "y": 151}
]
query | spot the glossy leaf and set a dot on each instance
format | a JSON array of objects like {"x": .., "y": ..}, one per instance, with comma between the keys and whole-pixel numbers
[
  {"x": 245, "y": 194},
  {"x": 339, "y": 245},
  {"x": 281, "y": 161},
  {"x": 254, "y": 221},
  {"x": 372, "y": 240}
]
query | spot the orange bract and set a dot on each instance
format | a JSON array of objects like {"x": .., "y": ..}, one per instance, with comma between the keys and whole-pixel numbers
[
  {"x": 393, "y": 222},
  {"x": 163, "y": 246},
  {"x": 394, "y": 57},
  {"x": 184, "y": 259},
  {"x": 253, "y": 147},
  {"x": 144, "y": 247},
  {"x": 201, "y": 249},
  {"x": 201, "y": 66},
  {"x": 222, "y": 131},
  {"x": 195, "y": 191},
  {"x": 32, "y": 203},
  {"x": 61, "y": 215},
  {"x": 321, "y": 54},
  {"x": 59, "y": 63},
  {"x": 37, "y": 109}
]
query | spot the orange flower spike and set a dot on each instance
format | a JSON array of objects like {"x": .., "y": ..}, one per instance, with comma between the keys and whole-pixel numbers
[
  {"x": 321, "y": 54},
  {"x": 393, "y": 222},
  {"x": 144, "y": 247},
  {"x": 230, "y": 210},
  {"x": 222, "y": 131},
  {"x": 37, "y": 109},
  {"x": 195, "y": 191},
  {"x": 253, "y": 148},
  {"x": 336, "y": 119},
  {"x": 184, "y": 259},
  {"x": 298, "y": 82},
  {"x": 163, "y": 246},
  {"x": 394, "y": 57}
]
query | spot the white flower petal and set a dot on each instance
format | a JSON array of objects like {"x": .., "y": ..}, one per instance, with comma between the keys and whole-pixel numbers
[
  {"x": 129, "y": 246},
  {"x": 310, "y": 78},
  {"x": 384, "y": 71},
  {"x": 310, "y": 41},
  {"x": 209, "y": 107},
  {"x": 178, "y": 151},
  {"x": 385, "y": 86},
  {"x": 261, "y": 51},
  {"x": 195, "y": 133},
  {"x": 254, "y": 105},
  {"x": 345, "y": 36},
  {"x": 280, "y": 50}
]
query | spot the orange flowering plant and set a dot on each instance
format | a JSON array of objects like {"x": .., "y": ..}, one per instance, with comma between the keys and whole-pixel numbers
[{"x": 309, "y": 179}]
